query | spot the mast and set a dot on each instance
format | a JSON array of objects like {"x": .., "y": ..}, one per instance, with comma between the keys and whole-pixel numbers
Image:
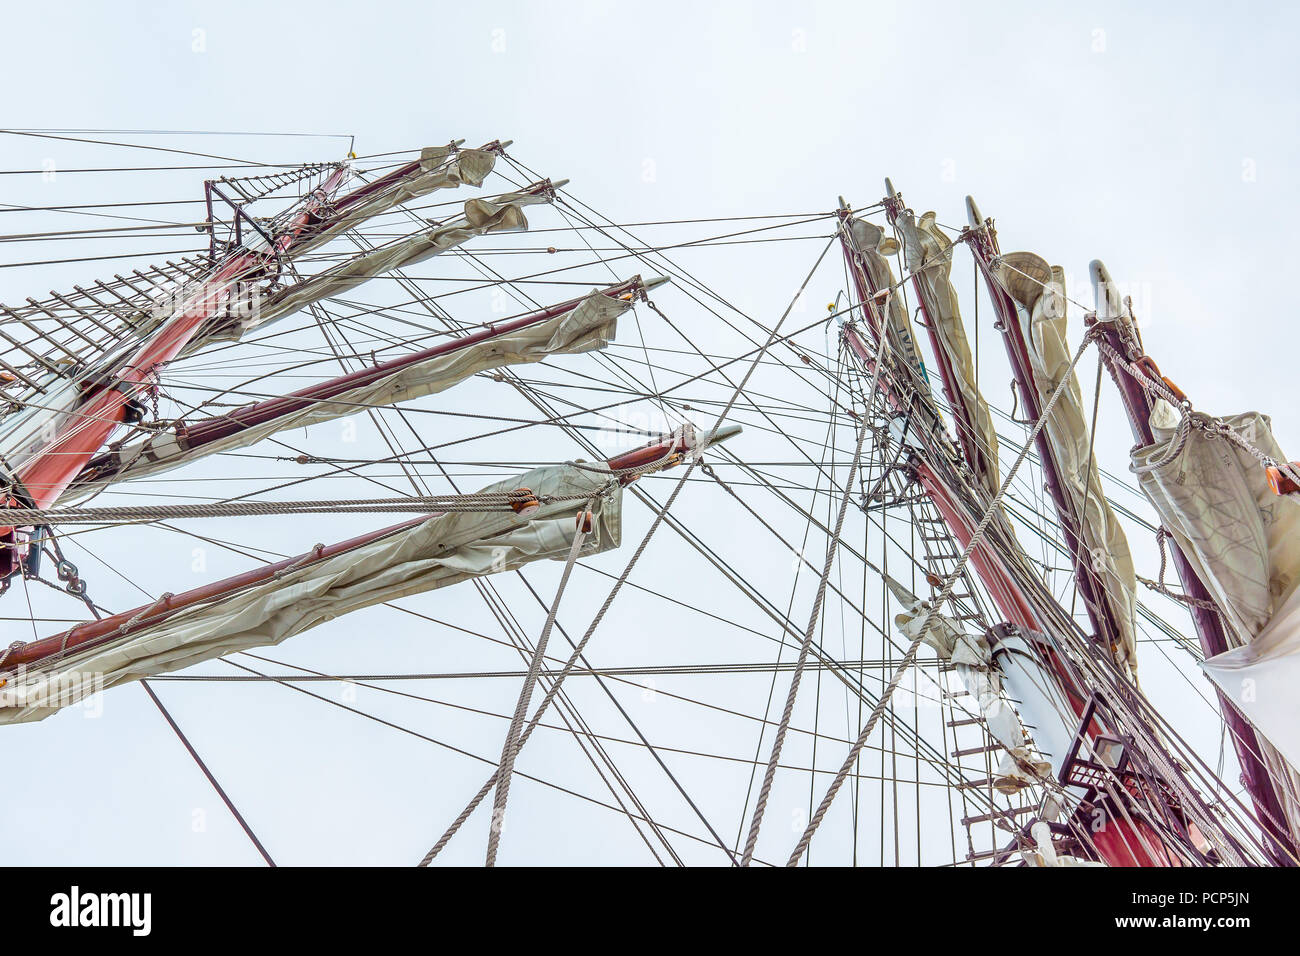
[
  {"x": 1124, "y": 841},
  {"x": 190, "y": 439},
  {"x": 968, "y": 434},
  {"x": 52, "y": 467},
  {"x": 981, "y": 237},
  {"x": 1118, "y": 328}
]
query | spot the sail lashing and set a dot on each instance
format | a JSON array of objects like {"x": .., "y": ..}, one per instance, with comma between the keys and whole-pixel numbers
[
  {"x": 928, "y": 253},
  {"x": 567, "y": 329},
  {"x": 1029, "y": 296},
  {"x": 267, "y": 606}
]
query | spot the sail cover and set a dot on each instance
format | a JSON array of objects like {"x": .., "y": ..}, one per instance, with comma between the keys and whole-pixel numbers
[
  {"x": 1038, "y": 290},
  {"x": 479, "y": 217},
  {"x": 928, "y": 254},
  {"x": 588, "y": 326},
  {"x": 440, "y": 167},
  {"x": 1244, "y": 541},
  {"x": 870, "y": 240},
  {"x": 440, "y": 551},
  {"x": 1262, "y": 679},
  {"x": 1214, "y": 497},
  {"x": 983, "y": 679}
]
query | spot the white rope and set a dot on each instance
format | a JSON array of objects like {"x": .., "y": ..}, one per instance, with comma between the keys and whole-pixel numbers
[
  {"x": 1213, "y": 428},
  {"x": 510, "y": 749},
  {"x": 832, "y": 548}
]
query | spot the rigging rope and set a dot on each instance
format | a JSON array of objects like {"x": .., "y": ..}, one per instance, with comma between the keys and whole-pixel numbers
[
  {"x": 660, "y": 516},
  {"x": 496, "y": 501},
  {"x": 832, "y": 548},
  {"x": 239, "y": 817},
  {"x": 933, "y": 610},
  {"x": 511, "y": 748},
  {"x": 1213, "y": 428}
]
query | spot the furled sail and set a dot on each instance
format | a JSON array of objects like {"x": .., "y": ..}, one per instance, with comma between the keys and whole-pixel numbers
[
  {"x": 872, "y": 243},
  {"x": 1244, "y": 541},
  {"x": 1262, "y": 677},
  {"x": 928, "y": 254},
  {"x": 1214, "y": 498},
  {"x": 415, "y": 557},
  {"x": 983, "y": 679},
  {"x": 589, "y": 325},
  {"x": 1038, "y": 290},
  {"x": 439, "y": 167},
  {"x": 479, "y": 217}
]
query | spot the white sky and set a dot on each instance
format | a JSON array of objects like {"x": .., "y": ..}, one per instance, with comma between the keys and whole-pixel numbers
[{"x": 1163, "y": 141}]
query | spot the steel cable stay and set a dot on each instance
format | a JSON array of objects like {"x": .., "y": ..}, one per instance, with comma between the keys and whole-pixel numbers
[
  {"x": 614, "y": 769},
  {"x": 803, "y": 403},
  {"x": 499, "y": 608},
  {"x": 625, "y": 715},
  {"x": 659, "y": 517}
]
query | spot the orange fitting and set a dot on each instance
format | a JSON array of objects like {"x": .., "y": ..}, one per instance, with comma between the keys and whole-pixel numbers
[
  {"x": 585, "y": 522},
  {"x": 1281, "y": 482},
  {"x": 523, "y": 502},
  {"x": 1148, "y": 365},
  {"x": 1178, "y": 392}
]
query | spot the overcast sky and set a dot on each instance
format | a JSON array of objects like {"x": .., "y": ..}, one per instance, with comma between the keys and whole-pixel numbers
[{"x": 1164, "y": 141}]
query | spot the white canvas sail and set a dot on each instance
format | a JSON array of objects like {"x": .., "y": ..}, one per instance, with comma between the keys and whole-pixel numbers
[
  {"x": 876, "y": 246},
  {"x": 1214, "y": 497},
  {"x": 436, "y": 553},
  {"x": 1244, "y": 543},
  {"x": 1261, "y": 678},
  {"x": 928, "y": 254},
  {"x": 1038, "y": 290},
  {"x": 983, "y": 679},
  {"x": 588, "y": 326}
]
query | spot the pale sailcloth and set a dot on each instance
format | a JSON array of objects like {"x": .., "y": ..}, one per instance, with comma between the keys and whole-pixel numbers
[
  {"x": 1243, "y": 540},
  {"x": 479, "y": 217},
  {"x": 1038, "y": 290},
  {"x": 985, "y": 681},
  {"x": 441, "y": 551},
  {"x": 590, "y": 325},
  {"x": 1214, "y": 498},
  {"x": 1262, "y": 679},
  {"x": 875, "y": 247},
  {"x": 440, "y": 167},
  {"x": 928, "y": 254}
]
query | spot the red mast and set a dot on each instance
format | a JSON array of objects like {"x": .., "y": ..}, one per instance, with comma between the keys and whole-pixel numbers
[
  {"x": 1119, "y": 332},
  {"x": 1124, "y": 842},
  {"x": 45, "y": 475}
]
